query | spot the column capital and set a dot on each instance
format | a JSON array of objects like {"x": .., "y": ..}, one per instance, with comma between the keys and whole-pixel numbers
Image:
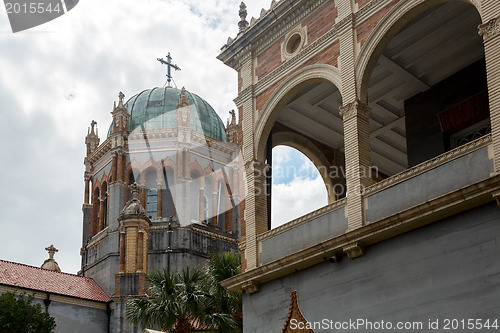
[
  {"x": 256, "y": 166},
  {"x": 490, "y": 29},
  {"x": 355, "y": 109}
]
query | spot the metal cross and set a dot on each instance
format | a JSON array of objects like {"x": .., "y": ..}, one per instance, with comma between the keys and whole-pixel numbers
[{"x": 169, "y": 66}]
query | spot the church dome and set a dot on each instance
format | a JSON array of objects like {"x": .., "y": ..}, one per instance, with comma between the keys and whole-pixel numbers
[{"x": 152, "y": 109}]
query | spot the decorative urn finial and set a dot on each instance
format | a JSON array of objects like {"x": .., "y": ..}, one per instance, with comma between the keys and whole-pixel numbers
[{"x": 243, "y": 24}]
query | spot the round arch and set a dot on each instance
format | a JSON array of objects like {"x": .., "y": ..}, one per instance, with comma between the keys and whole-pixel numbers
[
  {"x": 313, "y": 153},
  {"x": 401, "y": 14},
  {"x": 285, "y": 92}
]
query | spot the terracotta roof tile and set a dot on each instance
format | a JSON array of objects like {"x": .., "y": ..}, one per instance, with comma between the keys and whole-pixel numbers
[{"x": 36, "y": 278}]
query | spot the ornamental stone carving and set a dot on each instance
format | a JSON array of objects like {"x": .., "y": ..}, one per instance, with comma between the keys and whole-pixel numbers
[
  {"x": 133, "y": 209},
  {"x": 295, "y": 314},
  {"x": 490, "y": 29},
  {"x": 354, "y": 109}
]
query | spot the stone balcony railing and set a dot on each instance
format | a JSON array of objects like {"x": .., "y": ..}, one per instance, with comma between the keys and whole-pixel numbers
[{"x": 459, "y": 168}]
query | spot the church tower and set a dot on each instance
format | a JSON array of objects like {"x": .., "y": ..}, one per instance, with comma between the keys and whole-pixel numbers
[{"x": 162, "y": 191}]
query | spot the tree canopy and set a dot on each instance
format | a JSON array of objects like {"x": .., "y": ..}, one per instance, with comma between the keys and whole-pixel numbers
[
  {"x": 19, "y": 315},
  {"x": 192, "y": 298}
]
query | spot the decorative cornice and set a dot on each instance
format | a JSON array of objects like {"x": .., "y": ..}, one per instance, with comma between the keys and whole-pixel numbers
[
  {"x": 301, "y": 220},
  {"x": 428, "y": 165},
  {"x": 490, "y": 29},
  {"x": 355, "y": 109},
  {"x": 100, "y": 151},
  {"x": 254, "y": 35},
  {"x": 288, "y": 23}
]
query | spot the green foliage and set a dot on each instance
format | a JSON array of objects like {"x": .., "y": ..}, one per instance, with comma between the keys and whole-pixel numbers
[
  {"x": 178, "y": 300},
  {"x": 18, "y": 315}
]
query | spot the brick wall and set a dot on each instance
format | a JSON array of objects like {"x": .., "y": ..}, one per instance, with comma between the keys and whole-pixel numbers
[
  {"x": 327, "y": 56},
  {"x": 269, "y": 59},
  {"x": 321, "y": 21},
  {"x": 365, "y": 29}
]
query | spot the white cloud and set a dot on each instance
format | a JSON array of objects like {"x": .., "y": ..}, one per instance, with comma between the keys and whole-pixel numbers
[
  {"x": 296, "y": 198},
  {"x": 96, "y": 50}
]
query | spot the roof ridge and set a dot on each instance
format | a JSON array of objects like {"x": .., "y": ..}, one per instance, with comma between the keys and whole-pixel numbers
[{"x": 45, "y": 270}]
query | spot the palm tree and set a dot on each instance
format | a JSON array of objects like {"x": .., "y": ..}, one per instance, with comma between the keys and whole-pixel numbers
[
  {"x": 179, "y": 300},
  {"x": 175, "y": 301},
  {"x": 224, "y": 313}
]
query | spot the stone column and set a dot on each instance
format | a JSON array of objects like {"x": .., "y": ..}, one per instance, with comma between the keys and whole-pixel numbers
[
  {"x": 159, "y": 201},
  {"x": 201, "y": 201},
  {"x": 140, "y": 251},
  {"x": 357, "y": 159},
  {"x": 122, "y": 251},
  {"x": 490, "y": 31},
  {"x": 356, "y": 116},
  {"x": 114, "y": 162},
  {"x": 131, "y": 249},
  {"x": 214, "y": 206},
  {"x": 142, "y": 184},
  {"x": 255, "y": 210},
  {"x": 87, "y": 189}
]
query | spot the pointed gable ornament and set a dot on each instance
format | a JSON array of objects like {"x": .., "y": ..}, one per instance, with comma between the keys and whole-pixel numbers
[{"x": 295, "y": 313}]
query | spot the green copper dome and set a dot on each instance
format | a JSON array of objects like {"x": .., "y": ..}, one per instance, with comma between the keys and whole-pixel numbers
[{"x": 151, "y": 109}]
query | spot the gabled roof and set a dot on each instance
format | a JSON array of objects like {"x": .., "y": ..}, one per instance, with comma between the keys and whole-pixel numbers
[{"x": 36, "y": 278}]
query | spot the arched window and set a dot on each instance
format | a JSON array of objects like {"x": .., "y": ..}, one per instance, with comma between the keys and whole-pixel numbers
[
  {"x": 221, "y": 204},
  {"x": 195, "y": 197},
  {"x": 151, "y": 194},
  {"x": 105, "y": 212},
  {"x": 152, "y": 203},
  {"x": 168, "y": 191}
]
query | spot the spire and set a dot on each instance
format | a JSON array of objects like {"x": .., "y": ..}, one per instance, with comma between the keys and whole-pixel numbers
[
  {"x": 92, "y": 138},
  {"x": 243, "y": 24},
  {"x": 120, "y": 102},
  {"x": 93, "y": 124},
  {"x": 233, "y": 117},
  {"x": 50, "y": 263}
]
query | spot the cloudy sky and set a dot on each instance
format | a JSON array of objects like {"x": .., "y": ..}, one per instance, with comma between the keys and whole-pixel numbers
[{"x": 56, "y": 78}]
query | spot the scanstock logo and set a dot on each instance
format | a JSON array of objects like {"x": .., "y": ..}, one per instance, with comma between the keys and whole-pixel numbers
[{"x": 26, "y": 14}]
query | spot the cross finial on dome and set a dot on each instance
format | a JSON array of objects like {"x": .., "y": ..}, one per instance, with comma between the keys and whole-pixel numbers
[
  {"x": 52, "y": 250},
  {"x": 169, "y": 65}
]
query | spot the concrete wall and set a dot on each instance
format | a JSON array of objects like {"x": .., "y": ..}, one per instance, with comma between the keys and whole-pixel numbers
[
  {"x": 189, "y": 247},
  {"x": 451, "y": 176},
  {"x": 304, "y": 235},
  {"x": 449, "y": 269},
  {"x": 102, "y": 262}
]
